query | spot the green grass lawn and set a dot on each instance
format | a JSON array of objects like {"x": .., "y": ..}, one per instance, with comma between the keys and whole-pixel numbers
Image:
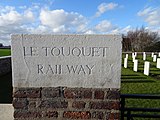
[
  {"x": 5, "y": 52},
  {"x": 138, "y": 83}
]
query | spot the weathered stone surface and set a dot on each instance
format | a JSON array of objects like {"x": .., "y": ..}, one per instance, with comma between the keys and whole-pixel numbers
[
  {"x": 88, "y": 61},
  {"x": 6, "y": 112}
]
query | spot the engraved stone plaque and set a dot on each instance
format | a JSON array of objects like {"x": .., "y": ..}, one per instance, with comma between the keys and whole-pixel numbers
[{"x": 89, "y": 61}]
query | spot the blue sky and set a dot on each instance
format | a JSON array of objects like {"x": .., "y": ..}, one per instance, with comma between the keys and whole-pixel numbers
[{"x": 76, "y": 16}]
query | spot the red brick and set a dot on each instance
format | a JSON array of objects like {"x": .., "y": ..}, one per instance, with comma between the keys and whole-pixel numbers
[
  {"x": 50, "y": 92},
  {"x": 115, "y": 105},
  {"x": 78, "y": 104},
  {"x": 100, "y": 105},
  {"x": 32, "y": 104},
  {"x": 53, "y": 104},
  {"x": 27, "y": 114},
  {"x": 113, "y": 116},
  {"x": 99, "y": 94},
  {"x": 72, "y": 93},
  {"x": 50, "y": 114},
  {"x": 20, "y": 103},
  {"x": 87, "y": 94},
  {"x": 113, "y": 94},
  {"x": 98, "y": 115},
  {"x": 20, "y": 93},
  {"x": 27, "y": 93},
  {"x": 77, "y": 115}
]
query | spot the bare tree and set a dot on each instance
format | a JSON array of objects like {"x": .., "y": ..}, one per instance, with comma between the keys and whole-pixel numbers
[{"x": 141, "y": 38}]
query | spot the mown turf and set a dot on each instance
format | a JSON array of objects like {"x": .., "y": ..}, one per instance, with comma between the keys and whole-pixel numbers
[
  {"x": 5, "y": 52},
  {"x": 138, "y": 83}
]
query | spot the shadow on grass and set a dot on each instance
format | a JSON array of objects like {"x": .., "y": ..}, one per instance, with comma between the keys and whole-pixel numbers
[
  {"x": 137, "y": 81},
  {"x": 157, "y": 93},
  {"x": 155, "y": 70},
  {"x": 133, "y": 77},
  {"x": 6, "y": 88},
  {"x": 130, "y": 75}
]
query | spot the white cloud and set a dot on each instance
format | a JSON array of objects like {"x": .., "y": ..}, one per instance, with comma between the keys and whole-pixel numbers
[
  {"x": 12, "y": 21},
  {"x": 89, "y": 32},
  {"x": 34, "y": 20},
  {"x": 6, "y": 9},
  {"x": 121, "y": 30},
  {"x": 62, "y": 21},
  {"x": 150, "y": 15},
  {"x": 104, "y": 26},
  {"x": 14, "y": 18},
  {"x": 103, "y": 7}
]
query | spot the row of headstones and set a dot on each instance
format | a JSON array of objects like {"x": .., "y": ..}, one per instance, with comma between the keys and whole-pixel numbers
[{"x": 146, "y": 63}]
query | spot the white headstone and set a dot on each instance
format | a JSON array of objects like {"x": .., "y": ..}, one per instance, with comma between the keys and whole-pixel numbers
[
  {"x": 135, "y": 54},
  {"x": 159, "y": 54},
  {"x": 127, "y": 56},
  {"x": 125, "y": 62},
  {"x": 135, "y": 65},
  {"x": 158, "y": 62},
  {"x": 144, "y": 56},
  {"x": 152, "y": 54},
  {"x": 89, "y": 61},
  {"x": 154, "y": 58},
  {"x": 146, "y": 67},
  {"x": 133, "y": 58}
]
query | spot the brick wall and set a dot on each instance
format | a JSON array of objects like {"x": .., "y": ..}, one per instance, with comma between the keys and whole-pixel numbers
[{"x": 64, "y": 103}]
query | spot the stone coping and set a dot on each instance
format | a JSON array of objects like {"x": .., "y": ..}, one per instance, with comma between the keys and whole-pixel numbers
[
  {"x": 4, "y": 57},
  {"x": 6, "y": 112}
]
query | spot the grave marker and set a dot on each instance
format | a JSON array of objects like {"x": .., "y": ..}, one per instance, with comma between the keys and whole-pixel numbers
[
  {"x": 135, "y": 54},
  {"x": 146, "y": 67},
  {"x": 135, "y": 66},
  {"x": 125, "y": 62},
  {"x": 144, "y": 56},
  {"x": 133, "y": 58},
  {"x": 127, "y": 56},
  {"x": 154, "y": 58},
  {"x": 152, "y": 54},
  {"x": 158, "y": 62}
]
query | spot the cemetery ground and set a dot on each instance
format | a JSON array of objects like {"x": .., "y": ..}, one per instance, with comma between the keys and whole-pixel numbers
[
  {"x": 5, "y": 52},
  {"x": 138, "y": 83}
]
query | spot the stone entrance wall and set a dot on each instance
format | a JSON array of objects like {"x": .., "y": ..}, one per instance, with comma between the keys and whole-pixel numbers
[{"x": 87, "y": 67}]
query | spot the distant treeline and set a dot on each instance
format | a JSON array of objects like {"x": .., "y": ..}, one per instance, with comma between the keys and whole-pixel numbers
[
  {"x": 141, "y": 40},
  {"x": 4, "y": 47}
]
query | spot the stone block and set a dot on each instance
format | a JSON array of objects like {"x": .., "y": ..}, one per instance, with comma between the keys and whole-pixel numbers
[{"x": 88, "y": 61}]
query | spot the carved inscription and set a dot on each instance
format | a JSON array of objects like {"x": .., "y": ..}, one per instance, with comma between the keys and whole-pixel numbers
[
  {"x": 89, "y": 61},
  {"x": 64, "y": 52},
  {"x": 61, "y": 69}
]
